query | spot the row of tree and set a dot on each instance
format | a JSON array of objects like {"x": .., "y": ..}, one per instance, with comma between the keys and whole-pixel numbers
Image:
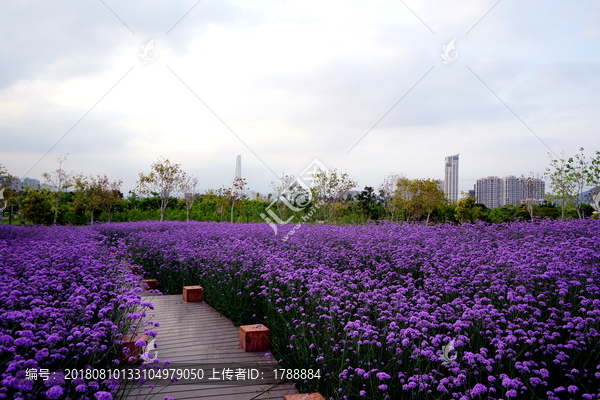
[{"x": 167, "y": 192}]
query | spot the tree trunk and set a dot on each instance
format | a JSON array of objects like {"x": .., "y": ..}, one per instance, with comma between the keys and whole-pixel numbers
[
  {"x": 92, "y": 216},
  {"x": 232, "y": 205},
  {"x": 55, "y": 210}
]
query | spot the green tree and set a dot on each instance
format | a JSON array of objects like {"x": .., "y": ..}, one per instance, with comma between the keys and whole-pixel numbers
[
  {"x": 418, "y": 197},
  {"x": 38, "y": 206},
  {"x": 387, "y": 191},
  {"x": 467, "y": 210},
  {"x": 7, "y": 194},
  {"x": 59, "y": 181},
  {"x": 547, "y": 210},
  {"x": 282, "y": 189},
  {"x": 165, "y": 179},
  {"x": 368, "y": 203},
  {"x": 189, "y": 193},
  {"x": 569, "y": 178},
  {"x": 328, "y": 186},
  {"x": 88, "y": 195},
  {"x": 593, "y": 171},
  {"x": 498, "y": 215},
  {"x": 110, "y": 195},
  {"x": 220, "y": 200},
  {"x": 236, "y": 193},
  {"x": 531, "y": 192}
]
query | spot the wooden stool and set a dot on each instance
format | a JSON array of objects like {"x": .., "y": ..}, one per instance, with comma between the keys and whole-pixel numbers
[
  {"x": 150, "y": 284},
  {"x": 254, "y": 337},
  {"x": 134, "y": 351},
  {"x": 193, "y": 293}
]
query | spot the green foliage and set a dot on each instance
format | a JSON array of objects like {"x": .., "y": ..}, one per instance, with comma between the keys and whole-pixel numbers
[
  {"x": 165, "y": 178},
  {"x": 368, "y": 204},
  {"x": 467, "y": 210},
  {"x": 418, "y": 198},
  {"x": 569, "y": 177},
  {"x": 38, "y": 206}
]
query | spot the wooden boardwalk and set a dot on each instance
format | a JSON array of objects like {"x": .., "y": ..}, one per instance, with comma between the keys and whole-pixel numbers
[{"x": 194, "y": 336}]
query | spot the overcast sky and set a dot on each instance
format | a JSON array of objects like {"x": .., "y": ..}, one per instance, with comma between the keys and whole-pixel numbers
[{"x": 285, "y": 82}]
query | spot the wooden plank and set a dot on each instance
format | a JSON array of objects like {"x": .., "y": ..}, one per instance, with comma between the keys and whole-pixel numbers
[{"x": 192, "y": 335}]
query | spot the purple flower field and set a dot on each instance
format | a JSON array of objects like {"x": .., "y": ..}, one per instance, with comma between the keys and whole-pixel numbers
[
  {"x": 372, "y": 306},
  {"x": 66, "y": 299}
]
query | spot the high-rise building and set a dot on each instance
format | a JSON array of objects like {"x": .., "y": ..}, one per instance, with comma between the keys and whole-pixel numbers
[
  {"x": 18, "y": 184},
  {"x": 451, "y": 178},
  {"x": 510, "y": 190},
  {"x": 488, "y": 191},
  {"x": 238, "y": 166},
  {"x": 532, "y": 190}
]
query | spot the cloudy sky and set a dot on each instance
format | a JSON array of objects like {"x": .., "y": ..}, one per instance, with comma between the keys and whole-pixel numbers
[{"x": 360, "y": 85}]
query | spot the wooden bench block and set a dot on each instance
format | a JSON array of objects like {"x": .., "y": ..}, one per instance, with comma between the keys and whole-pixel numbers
[
  {"x": 150, "y": 284},
  {"x": 134, "y": 351},
  {"x": 304, "y": 396},
  {"x": 254, "y": 337},
  {"x": 193, "y": 293}
]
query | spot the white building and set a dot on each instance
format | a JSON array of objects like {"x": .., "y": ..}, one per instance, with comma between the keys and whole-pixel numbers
[
  {"x": 510, "y": 190},
  {"x": 451, "y": 178},
  {"x": 488, "y": 191}
]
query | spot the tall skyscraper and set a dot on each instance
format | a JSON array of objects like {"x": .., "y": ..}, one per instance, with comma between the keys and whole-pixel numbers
[
  {"x": 451, "y": 178},
  {"x": 238, "y": 166}
]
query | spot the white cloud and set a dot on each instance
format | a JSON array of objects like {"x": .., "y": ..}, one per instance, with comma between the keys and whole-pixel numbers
[{"x": 297, "y": 80}]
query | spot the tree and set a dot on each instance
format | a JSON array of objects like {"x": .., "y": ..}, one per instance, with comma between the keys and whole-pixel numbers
[
  {"x": 367, "y": 202},
  {"x": 38, "y": 206},
  {"x": 530, "y": 192},
  {"x": 428, "y": 196},
  {"x": 593, "y": 175},
  {"x": 280, "y": 189},
  {"x": 467, "y": 210},
  {"x": 7, "y": 194},
  {"x": 236, "y": 193},
  {"x": 569, "y": 178},
  {"x": 6, "y": 179},
  {"x": 88, "y": 194},
  {"x": 59, "y": 181},
  {"x": 163, "y": 180},
  {"x": 418, "y": 197},
  {"x": 403, "y": 197},
  {"x": 189, "y": 193},
  {"x": 95, "y": 194},
  {"x": 387, "y": 191},
  {"x": 328, "y": 186},
  {"x": 219, "y": 197},
  {"x": 110, "y": 195}
]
